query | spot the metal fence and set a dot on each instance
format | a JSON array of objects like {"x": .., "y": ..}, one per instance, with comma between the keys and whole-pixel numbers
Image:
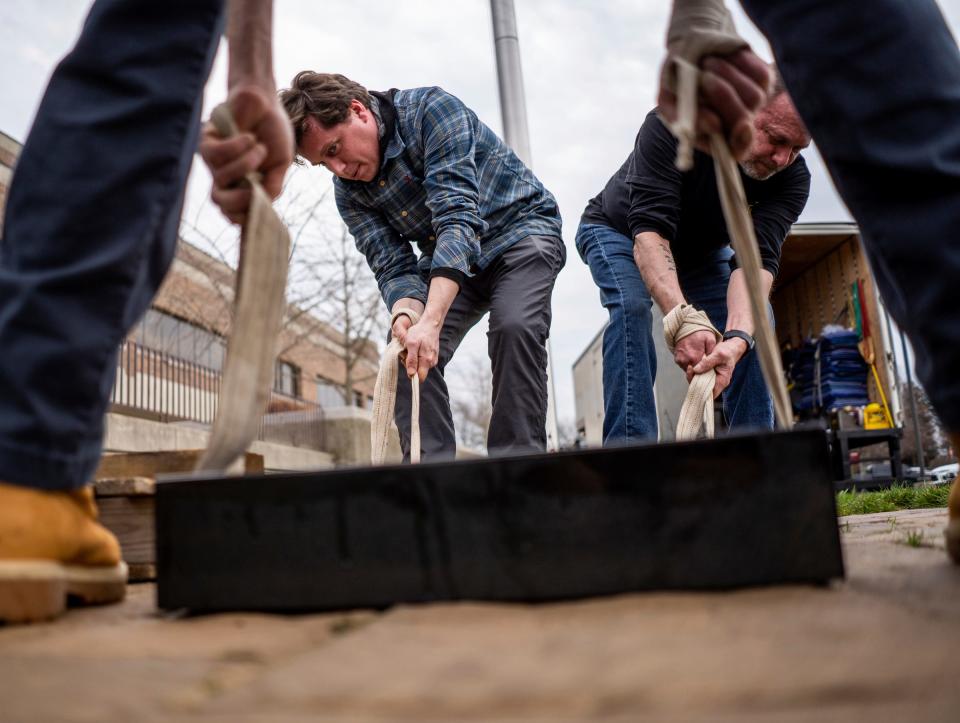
[{"x": 159, "y": 386}]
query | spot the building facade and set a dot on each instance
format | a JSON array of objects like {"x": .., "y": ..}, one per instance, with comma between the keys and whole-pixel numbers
[
  {"x": 170, "y": 366},
  {"x": 191, "y": 315},
  {"x": 9, "y": 150}
]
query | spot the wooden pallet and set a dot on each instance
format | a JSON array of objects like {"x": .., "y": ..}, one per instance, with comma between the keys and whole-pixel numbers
[
  {"x": 124, "y": 487},
  {"x": 715, "y": 514}
]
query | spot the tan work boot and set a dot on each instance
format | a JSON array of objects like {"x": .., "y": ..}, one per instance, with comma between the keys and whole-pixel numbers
[
  {"x": 952, "y": 533},
  {"x": 51, "y": 547}
]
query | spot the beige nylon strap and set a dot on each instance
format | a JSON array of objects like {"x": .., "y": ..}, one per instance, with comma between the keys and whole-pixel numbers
[
  {"x": 736, "y": 212},
  {"x": 697, "y": 410},
  {"x": 701, "y": 27},
  {"x": 696, "y": 28},
  {"x": 259, "y": 302},
  {"x": 684, "y": 320},
  {"x": 385, "y": 398},
  {"x": 740, "y": 226}
]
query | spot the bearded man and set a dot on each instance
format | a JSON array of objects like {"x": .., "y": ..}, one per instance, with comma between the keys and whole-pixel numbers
[{"x": 656, "y": 234}]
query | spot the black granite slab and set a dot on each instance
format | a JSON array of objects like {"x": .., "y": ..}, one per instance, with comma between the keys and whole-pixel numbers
[{"x": 704, "y": 515}]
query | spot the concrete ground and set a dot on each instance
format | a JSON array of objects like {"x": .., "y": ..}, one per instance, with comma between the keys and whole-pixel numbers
[{"x": 883, "y": 645}]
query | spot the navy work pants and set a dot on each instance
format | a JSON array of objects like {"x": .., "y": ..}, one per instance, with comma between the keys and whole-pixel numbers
[
  {"x": 878, "y": 86},
  {"x": 91, "y": 225}
]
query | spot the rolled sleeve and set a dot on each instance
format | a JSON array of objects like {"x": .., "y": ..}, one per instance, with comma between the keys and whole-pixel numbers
[
  {"x": 450, "y": 182},
  {"x": 391, "y": 259},
  {"x": 653, "y": 182}
]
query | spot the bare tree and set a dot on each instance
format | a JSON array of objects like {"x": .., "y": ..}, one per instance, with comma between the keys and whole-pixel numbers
[
  {"x": 328, "y": 281},
  {"x": 351, "y": 304},
  {"x": 471, "y": 399},
  {"x": 567, "y": 434},
  {"x": 305, "y": 208}
]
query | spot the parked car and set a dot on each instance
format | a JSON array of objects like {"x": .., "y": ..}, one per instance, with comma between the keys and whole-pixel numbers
[
  {"x": 945, "y": 473},
  {"x": 911, "y": 475}
]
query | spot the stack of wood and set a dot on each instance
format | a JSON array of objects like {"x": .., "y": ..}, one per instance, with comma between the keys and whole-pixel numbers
[{"x": 124, "y": 485}]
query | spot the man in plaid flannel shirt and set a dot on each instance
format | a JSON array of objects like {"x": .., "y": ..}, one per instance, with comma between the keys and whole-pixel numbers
[{"x": 418, "y": 167}]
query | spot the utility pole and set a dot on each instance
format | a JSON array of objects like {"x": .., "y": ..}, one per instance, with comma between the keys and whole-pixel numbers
[{"x": 513, "y": 109}]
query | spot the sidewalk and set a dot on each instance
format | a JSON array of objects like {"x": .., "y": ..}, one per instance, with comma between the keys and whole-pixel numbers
[{"x": 882, "y": 646}]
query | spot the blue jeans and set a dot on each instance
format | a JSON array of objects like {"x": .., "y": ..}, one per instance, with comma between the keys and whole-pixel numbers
[
  {"x": 91, "y": 225},
  {"x": 880, "y": 93},
  {"x": 629, "y": 358}
]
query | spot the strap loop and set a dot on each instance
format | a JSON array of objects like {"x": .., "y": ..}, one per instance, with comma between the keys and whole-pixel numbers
[
  {"x": 684, "y": 320},
  {"x": 259, "y": 304},
  {"x": 385, "y": 397},
  {"x": 697, "y": 410}
]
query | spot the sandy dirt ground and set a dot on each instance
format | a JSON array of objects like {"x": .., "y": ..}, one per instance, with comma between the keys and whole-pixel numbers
[{"x": 884, "y": 645}]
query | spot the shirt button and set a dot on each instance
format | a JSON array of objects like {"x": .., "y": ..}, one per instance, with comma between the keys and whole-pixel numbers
[
  {"x": 383, "y": 183},
  {"x": 403, "y": 213}
]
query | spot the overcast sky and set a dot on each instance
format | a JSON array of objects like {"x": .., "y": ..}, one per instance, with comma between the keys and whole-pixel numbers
[{"x": 590, "y": 70}]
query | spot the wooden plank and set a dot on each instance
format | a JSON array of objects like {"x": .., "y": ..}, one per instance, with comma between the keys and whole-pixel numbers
[
  {"x": 829, "y": 291},
  {"x": 800, "y": 252},
  {"x": 805, "y": 305},
  {"x": 796, "y": 325},
  {"x": 127, "y": 509},
  {"x": 785, "y": 313},
  {"x": 124, "y": 487},
  {"x": 838, "y": 293},
  {"x": 710, "y": 514},
  {"x": 823, "y": 296},
  {"x": 131, "y": 519},
  {"x": 142, "y": 572},
  {"x": 150, "y": 464}
]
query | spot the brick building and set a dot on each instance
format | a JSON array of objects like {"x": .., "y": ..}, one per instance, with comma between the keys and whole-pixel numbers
[
  {"x": 190, "y": 318},
  {"x": 9, "y": 150},
  {"x": 169, "y": 368}
]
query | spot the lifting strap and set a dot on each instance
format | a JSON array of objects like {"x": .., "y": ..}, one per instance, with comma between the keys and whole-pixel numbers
[
  {"x": 385, "y": 398},
  {"x": 259, "y": 301}
]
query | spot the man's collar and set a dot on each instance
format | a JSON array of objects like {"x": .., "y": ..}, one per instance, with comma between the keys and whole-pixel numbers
[
  {"x": 375, "y": 109},
  {"x": 384, "y": 110}
]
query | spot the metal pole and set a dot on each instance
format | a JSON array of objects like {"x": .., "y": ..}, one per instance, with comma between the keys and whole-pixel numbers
[
  {"x": 913, "y": 405},
  {"x": 513, "y": 109},
  {"x": 513, "y": 104}
]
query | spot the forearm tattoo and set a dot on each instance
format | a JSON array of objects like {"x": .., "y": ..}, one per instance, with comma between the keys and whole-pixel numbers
[{"x": 668, "y": 256}]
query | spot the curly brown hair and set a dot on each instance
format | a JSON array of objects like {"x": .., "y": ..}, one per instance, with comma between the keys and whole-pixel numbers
[{"x": 324, "y": 96}]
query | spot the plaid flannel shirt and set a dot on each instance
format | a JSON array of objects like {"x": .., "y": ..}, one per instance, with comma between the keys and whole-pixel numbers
[{"x": 448, "y": 184}]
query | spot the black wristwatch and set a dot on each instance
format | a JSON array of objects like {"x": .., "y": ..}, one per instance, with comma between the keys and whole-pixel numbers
[{"x": 736, "y": 333}]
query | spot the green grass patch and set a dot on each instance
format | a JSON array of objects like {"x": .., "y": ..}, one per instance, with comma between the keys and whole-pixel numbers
[
  {"x": 898, "y": 497},
  {"x": 914, "y": 538}
]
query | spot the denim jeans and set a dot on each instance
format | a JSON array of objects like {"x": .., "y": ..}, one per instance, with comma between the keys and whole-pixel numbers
[
  {"x": 91, "y": 225},
  {"x": 878, "y": 86},
  {"x": 629, "y": 357}
]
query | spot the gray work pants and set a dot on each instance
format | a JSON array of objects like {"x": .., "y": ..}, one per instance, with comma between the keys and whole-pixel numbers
[{"x": 516, "y": 290}]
